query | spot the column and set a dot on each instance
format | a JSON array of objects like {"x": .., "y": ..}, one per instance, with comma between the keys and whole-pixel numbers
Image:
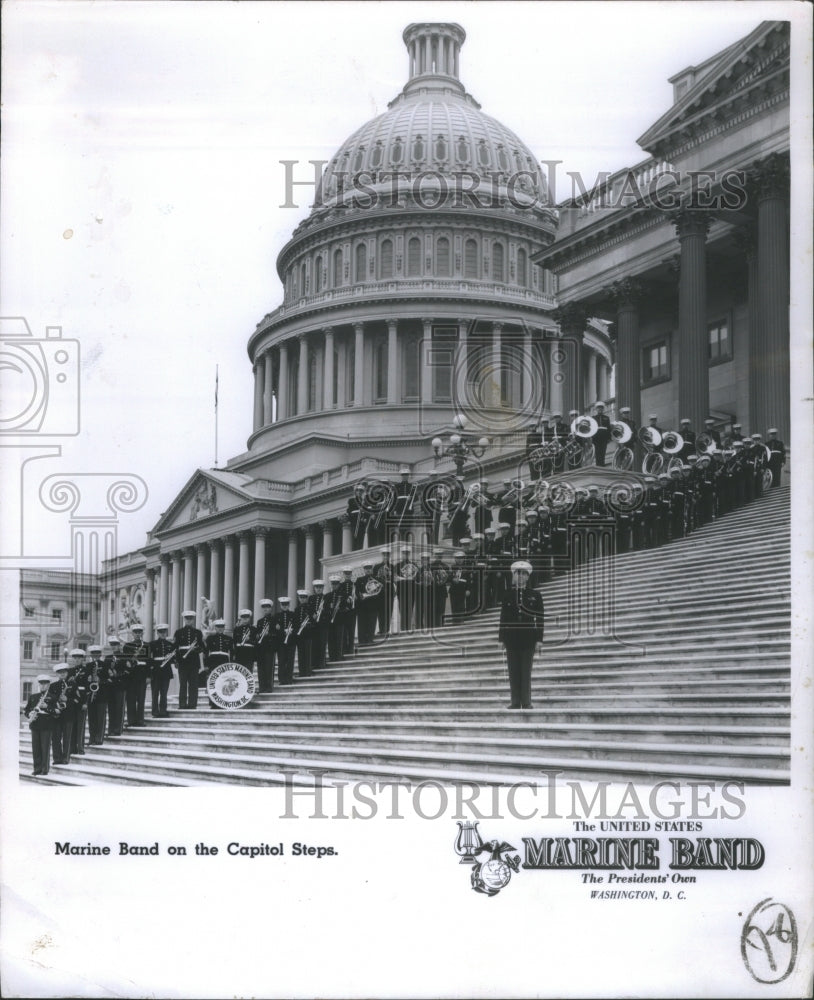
[
  {"x": 593, "y": 392},
  {"x": 626, "y": 296},
  {"x": 604, "y": 380},
  {"x": 268, "y": 382},
  {"x": 200, "y": 579},
  {"x": 188, "y": 598},
  {"x": 556, "y": 357},
  {"x": 302, "y": 377},
  {"x": 243, "y": 593},
  {"x": 393, "y": 372},
  {"x": 259, "y": 565},
  {"x": 771, "y": 408},
  {"x": 292, "y": 568},
  {"x": 309, "y": 558},
  {"x": 175, "y": 605},
  {"x": 258, "y": 396},
  {"x": 282, "y": 384},
  {"x": 359, "y": 364},
  {"x": 495, "y": 394},
  {"x": 328, "y": 391},
  {"x": 347, "y": 536},
  {"x": 341, "y": 375},
  {"x": 746, "y": 240},
  {"x": 427, "y": 59},
  {"x": 215, "y": 592},
  {"x": 229, "y": 581},
  {"x": 528, "y": 369},
  {"x": 149, "y": 599},
  {"x": 693, "y": 352},
  {"x": 163, "y": 589},
  {"x": 424, "y": 360},
  {"x": 572, "y": 318},
  {"x": 461, "y": 398}
]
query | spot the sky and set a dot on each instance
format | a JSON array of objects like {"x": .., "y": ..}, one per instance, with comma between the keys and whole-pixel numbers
[{"x": 142, "y": 184}]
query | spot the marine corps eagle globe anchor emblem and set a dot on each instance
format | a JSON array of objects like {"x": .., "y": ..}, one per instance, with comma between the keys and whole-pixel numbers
[{"x": 488, "y": 877}]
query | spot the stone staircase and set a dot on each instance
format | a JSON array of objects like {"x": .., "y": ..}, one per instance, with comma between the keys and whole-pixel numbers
[{"x": 685, "y": 674}]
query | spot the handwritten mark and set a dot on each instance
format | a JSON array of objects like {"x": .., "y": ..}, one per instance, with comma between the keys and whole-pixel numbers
[{"x": 769, "y": 942}]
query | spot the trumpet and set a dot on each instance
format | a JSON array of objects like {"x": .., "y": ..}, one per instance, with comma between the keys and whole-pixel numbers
[{"x": 305, "y": 622}]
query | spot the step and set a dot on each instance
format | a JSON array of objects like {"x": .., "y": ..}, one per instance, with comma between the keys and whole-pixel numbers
[{"x": 504, "y": 755}]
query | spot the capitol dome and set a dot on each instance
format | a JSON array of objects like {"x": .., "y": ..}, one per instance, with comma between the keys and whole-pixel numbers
[
  {"x": 433, "y": 138},
  {"x": 409, "y": 292}
]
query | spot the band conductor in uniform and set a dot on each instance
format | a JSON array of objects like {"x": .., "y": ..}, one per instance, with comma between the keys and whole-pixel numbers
[{"x": 521, "y": 632}]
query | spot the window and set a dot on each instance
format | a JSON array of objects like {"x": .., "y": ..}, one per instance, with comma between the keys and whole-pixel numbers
[
  {"x": 655, "y": 362},
  {"x": 444, "y": 342},
  {"x": 418, "y": 148},
  {"x": 414, "y": 257},
  {"x": 498, "y": 267},
  {"x": 303, "y": 284},
  {"x": 53, "y": 652},
  {"x": 522, "y": 268},
  {"x": 386, "y": 259},
  {"x": 83, "y": 646},
  {"x": 28, "y": 688},
  {"x": 318, "y": 274},
  {"x": 337, "y": 268},
  {"x": 29, "y": 612},
  {"x": 28, "y": 649},
  {"x": 720, "y": 346},
  {"x": 442, "y": 261},
  {"x": 412, "y": 367},
  {"x": 361, "y": 262},
  {"x": 84, "y": 615},
  {"x": 56, "y": 614},
  {"x": 470, "y": 259},
  {"x": 380, "y": 371}
]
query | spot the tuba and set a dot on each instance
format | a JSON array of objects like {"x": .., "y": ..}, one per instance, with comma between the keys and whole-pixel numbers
[
  {"x": 623, "y": 458},
  {"x": 584, "y": 427},
  {"x": 672, "y": 442},
  {"x": 621, "y": 432},
  {"x": 650, "y": 438},
  {"x": 705, "y": 445}
]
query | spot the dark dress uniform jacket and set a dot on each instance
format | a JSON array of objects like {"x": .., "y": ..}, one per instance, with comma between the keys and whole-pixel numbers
[{"x": 521, "y": 618}]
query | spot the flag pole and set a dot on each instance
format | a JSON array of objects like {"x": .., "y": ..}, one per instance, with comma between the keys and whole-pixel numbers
[{"x": 216, "y": 416}]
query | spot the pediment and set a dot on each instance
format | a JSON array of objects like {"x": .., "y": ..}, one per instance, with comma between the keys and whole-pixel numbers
[
  {"x": 208, "y": 492},
  {"x": 748, "y": 64}
]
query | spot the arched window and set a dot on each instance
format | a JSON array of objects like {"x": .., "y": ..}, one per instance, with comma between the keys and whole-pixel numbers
[
  {"x": 502, "y": 158},
  {"x": 303, "y": 286},
  {"x": 462, "y": 149},
  {"x": 414, "y": 257},
  {"x": 318, "y": 274},
  {"x": 418, "y": 148},
  {"x": 380, "y": 371},
  {"x": 359, "y": 159},
  {"x": 440, "y": 148},
  {"x": 498, "y": 266},
  {"x": 483, "y": 154},
  {"x": 376, "y": 155},
  {"x": 522, "y": 268},
  {"x": 470, "y": 259},
  {"x": 397, "y": 152},
  {"x": 442, "y": 260},
  {"x": 386, "y": 259},
  {"x": 361, "y": 262},
  {"x": 337, "y": 268}
]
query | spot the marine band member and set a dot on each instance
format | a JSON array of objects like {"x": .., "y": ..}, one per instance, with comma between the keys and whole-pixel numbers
[
  {"x": 160, "y": 671},
  {"x": 284, "y": 627},
  {"x": 521, "y": 632},
  {"x": 219, "y": 648},
  {"x": 320, "y": 614},
  {"x": 42, "y": 712},
  {"x": 138, "y": 653},
  {"x": 118, "y": 670},
  {"x": 98, "y": 684},
  {"x": 267, "y": 646},
  {"x": 603, "y": 433},
  {"x": 189, "y": 648}
]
